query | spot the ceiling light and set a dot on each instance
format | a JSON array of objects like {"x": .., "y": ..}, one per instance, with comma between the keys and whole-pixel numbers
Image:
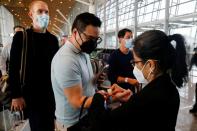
[
  {"x": 12, "y": 10},
  {"x": 69, "y": 6},
  {"x": 25, "y": 8},
  {"x": 19, "y": 2},
  {"x": 51, "y": 0},
  {"x": 15, "y": 14},
  {"x": 5, "y": 4},
  {"x": 61, "y": 2}
]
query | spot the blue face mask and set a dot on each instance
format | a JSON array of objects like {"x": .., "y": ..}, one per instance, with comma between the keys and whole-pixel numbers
[
  {"x": 128, "y": 43},
  {"x": 43, "y": 21}
]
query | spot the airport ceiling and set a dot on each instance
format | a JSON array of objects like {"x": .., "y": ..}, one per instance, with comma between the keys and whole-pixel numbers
[{"x": 19, "y": 8}]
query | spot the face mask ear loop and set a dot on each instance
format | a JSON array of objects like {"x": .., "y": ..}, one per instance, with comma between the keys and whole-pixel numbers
[
  {"x": 143, "y": 69},
  {"x": 143, "y": 66},
  {"x": 80, "y": 38},
  {"x": 151, "y": 70}
]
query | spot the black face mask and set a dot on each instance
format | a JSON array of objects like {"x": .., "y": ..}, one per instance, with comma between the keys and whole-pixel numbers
[{"x": 88, "y": 46}]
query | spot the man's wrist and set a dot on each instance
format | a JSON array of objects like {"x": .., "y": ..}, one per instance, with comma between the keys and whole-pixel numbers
[{"x": 126, "y": 80}]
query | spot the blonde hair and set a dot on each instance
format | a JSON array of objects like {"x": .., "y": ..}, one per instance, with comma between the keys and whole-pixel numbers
[{"x": 34, "y": 2}]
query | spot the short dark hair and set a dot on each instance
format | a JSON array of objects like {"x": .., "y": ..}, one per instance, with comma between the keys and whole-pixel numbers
[
  {"x": 83, "y": 20},
  {"x": 122, "y": 32},
  {"x": 156, "y": 45},
  {"x": 18, "y": 26}
]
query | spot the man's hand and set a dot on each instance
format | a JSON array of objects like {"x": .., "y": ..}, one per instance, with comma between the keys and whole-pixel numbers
[
  {"x": 99, "y": 78},
  {"x": 18, "y": 104},
  {"x": 4, "y": 77},
  {"x": 104, "y": 93},
  {"x": 130, "y": 81}
]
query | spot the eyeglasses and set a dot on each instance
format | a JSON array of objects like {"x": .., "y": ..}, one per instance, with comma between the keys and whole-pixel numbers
[
  {"x": 134, "y": 62},
  {"x": 97, "y": 39}
]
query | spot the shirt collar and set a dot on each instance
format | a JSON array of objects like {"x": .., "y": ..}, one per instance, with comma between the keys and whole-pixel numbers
[{"x": 72, "y": 47}]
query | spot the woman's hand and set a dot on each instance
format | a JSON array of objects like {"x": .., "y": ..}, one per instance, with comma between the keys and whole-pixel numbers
[{"x": 120, "y": 94}]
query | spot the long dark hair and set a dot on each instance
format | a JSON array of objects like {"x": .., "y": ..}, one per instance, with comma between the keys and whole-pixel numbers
[{"x": 155, "y": 44}]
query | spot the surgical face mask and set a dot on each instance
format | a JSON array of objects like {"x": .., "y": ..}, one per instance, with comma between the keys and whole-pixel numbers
[
  {"x": 43, "y": 20},
  {"x": 128, "y": 43},
  {"x": 139, "y": 75}
]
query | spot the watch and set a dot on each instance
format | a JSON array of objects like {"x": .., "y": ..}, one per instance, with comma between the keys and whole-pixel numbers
[{"x": 126, "y": 80}]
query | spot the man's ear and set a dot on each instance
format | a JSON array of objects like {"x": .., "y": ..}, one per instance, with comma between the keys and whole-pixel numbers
[
  {"x": 120, "y": 40},
  {"x": 30, "y": 14},
  {"x": 74, "y": 32}
]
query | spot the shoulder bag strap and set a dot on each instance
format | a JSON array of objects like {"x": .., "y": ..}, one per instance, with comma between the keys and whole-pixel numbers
[
  {"x": 23, "y": 59},
  {"x": 82, "y": 107}
]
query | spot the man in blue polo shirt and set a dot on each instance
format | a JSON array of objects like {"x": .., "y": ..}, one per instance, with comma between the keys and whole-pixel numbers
[{"x": 71, "y": 71}]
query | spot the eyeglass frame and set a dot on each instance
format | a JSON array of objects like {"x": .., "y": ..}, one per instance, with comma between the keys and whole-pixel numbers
[
  {"x": 88, "y": 37},
  {"x": 133, "y": 62}
]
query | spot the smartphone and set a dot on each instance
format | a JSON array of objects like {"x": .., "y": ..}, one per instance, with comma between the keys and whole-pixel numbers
[{"x": 104, "y": 69}]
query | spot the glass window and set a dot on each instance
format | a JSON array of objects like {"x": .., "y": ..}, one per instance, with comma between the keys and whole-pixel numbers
[
  {"x": 162, "y": 14},
  {"x": 110, "y": 41},
  {"x": 187, "y": 8}
]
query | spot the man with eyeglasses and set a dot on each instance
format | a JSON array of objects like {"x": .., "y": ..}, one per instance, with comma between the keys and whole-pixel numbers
[
  {"x": 72, "y": 73},
  {"x": 120, "y": 67}
]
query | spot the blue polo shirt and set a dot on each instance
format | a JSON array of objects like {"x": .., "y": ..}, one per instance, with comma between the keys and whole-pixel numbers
[{"x": 70, "y": 67}]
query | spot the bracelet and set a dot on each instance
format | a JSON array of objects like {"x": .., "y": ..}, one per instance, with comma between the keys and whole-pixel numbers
[{"x": 126, "y": 80}]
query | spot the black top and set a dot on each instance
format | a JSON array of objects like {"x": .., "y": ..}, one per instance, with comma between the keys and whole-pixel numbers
[
  {"x": 193, "y": 61},
  {"x": 155, "y": 108},
  {"x": 41, "y": 47},
  {"x": 120, "y": 65}
]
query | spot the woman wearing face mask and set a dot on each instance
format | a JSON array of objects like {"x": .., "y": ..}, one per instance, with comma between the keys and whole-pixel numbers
[{"x": 161, "y": 67}]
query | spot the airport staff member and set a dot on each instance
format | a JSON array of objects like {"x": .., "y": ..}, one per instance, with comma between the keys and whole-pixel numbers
[{"x": 156, "y": 106}]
